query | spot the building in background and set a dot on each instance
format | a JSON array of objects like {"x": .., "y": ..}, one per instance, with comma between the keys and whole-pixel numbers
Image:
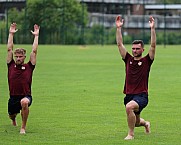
[
  {"x": 103, "y": 13},
  {"x": 135, "y": 13},
  {"x": 6, "y": 4}
]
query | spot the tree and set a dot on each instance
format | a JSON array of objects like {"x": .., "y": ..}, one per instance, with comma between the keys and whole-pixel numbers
[
  {"x": 55, "y": 15},
  {"x": 60, "y": 20}
]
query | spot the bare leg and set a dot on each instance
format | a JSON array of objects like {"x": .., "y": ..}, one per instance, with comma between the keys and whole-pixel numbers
[
  {"x": 24, "y": 114},
  {"x": 147, "y": 127},
  {"x": 131, "y": 118},
  {"x": 13, "y": 118},
  {"x": 142, "y": 122}
]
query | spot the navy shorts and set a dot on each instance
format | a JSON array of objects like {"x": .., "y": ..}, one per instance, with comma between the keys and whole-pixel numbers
[
  {"x": 141, "y": 99},
  {"x": 14, "y": 104}
]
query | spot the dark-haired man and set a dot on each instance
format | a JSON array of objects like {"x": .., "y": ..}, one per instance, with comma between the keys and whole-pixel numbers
[{"x": 137, "y": 75}]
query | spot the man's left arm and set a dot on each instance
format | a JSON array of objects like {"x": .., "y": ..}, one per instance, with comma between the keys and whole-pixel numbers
[
  {"x": 35, "y": 44},
  {"x": 153, "y": 38}
]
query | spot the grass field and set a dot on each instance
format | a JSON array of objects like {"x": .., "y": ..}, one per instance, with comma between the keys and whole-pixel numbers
[{"x": 78, "y": 99}]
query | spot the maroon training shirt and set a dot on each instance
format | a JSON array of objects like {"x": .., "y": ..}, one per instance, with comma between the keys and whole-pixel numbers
[
  {"x": 137, "y": 74},
  {"x": 20, "y": 78}
]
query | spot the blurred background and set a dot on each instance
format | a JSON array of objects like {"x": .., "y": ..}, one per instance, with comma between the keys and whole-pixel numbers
[{"x": 90, "y": 21}]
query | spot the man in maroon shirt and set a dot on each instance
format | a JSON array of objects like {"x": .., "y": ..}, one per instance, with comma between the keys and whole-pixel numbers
[
  {"x": 20, "y": 77},
  {"x": 137, "y": 75}
]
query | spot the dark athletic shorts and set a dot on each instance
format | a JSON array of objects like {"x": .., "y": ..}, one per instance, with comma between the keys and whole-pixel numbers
[
  {"x": 14, "y": 105},
  {"x": 141, "y": 99}
]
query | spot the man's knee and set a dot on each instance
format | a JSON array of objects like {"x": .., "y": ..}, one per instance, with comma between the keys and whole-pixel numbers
[
  {"x": 24, "y": 102},
  {"x": 137, "y": 124},
  {"x": 131, "y": 106},
  {"x": 13, "y": 116}
]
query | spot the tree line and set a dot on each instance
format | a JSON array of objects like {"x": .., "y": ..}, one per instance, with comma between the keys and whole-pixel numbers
[{"x": 65, "y": 22}]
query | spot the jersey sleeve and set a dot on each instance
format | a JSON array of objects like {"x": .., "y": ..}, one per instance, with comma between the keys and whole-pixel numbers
[
  {"x": 127, "y": 57},
  {"x": 31, "y": 65},
  {"x": 10, "y": 63},
  {"x": 150, "y": 61}
]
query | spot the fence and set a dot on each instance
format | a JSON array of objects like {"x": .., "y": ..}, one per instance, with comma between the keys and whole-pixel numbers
[{"x": 101, "y": 25}]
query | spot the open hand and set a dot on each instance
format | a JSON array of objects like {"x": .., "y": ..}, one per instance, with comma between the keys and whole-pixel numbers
[
  {"x": 36, "y": 30},
  {"x": 12, "y": 28},
  {"x": 119, "y": 21},
  {"x": 152, "y": 22}
]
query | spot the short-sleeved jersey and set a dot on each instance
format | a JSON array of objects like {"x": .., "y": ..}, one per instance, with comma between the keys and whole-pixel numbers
[
  {"x": 20, "y": 78},
  {"x": 137, "y": 74}
]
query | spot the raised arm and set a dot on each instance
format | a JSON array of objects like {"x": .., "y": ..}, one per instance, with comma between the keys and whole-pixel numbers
[
  {"x": 35, "y": 44},
  {"x": 119, "y": 39},
  {"x": 153, "y": 38},
  {"x": 10, "y": 43}
]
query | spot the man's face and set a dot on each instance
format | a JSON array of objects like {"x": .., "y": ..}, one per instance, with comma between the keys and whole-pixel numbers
[
  {"x": 19, "y": 58},
  {"x": 137, "y": 50}
]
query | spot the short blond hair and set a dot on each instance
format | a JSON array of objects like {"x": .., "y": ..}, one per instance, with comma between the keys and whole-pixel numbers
[{"x": 20, "y": 51}]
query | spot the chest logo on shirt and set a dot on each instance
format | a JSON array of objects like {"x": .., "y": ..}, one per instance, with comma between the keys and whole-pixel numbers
[
  {"x": 22, "y": 67},
  {"x": 139, "y": 63}
]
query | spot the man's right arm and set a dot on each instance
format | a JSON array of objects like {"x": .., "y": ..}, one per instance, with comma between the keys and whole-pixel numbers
[
  {"x": 10, "y": 43},
  {"x": 10, "y": 48},
  {"x": 153, "y": 38},
  {"x": 119, "y": 39}
]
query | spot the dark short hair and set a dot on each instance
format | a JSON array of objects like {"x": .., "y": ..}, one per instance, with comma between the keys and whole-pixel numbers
[
  {"x": 20, "y": 51},
  {"x": 139, "y": 42}
]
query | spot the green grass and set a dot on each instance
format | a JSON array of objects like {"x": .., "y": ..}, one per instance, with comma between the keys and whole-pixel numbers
[{"x": 78, "y": 99}]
